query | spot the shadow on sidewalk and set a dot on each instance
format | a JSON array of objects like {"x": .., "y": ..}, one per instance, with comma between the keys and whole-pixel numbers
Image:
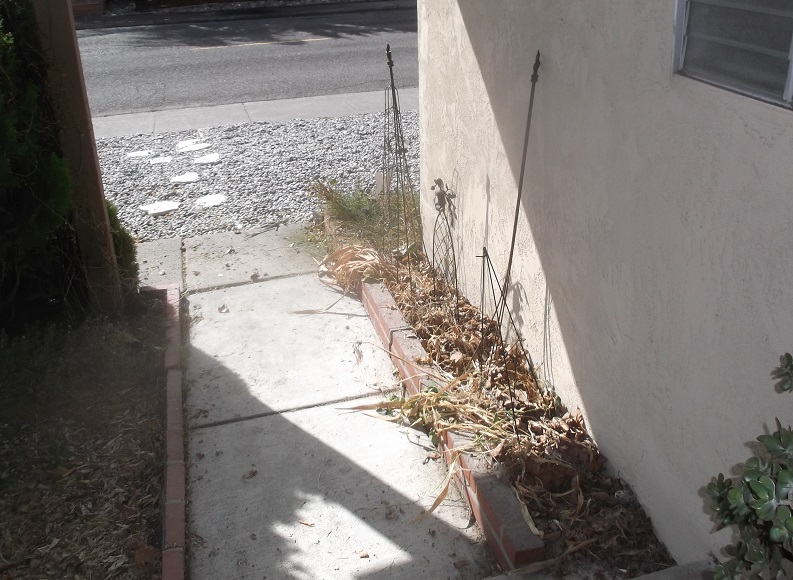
[{"x": 318, "y": 492}]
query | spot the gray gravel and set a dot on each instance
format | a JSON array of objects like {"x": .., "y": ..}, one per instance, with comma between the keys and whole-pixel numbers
[{"x": 265, "y": 170}]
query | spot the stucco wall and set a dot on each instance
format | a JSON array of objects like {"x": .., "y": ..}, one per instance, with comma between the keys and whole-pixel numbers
[{"x": 654, "y": 267}]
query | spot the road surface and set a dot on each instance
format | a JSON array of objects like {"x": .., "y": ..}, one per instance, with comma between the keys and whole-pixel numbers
[{"x": 152, "y": 68}]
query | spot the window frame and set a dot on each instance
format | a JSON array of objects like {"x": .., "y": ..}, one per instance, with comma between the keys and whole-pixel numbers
[{"x": 682, "y": 12}]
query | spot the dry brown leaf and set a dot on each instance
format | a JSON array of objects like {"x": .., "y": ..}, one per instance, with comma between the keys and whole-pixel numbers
[{"x": 350, "y": 266}]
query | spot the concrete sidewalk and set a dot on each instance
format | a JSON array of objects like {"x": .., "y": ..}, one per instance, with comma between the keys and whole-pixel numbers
[
  {"x": 165, "y": 121},
  {"x": 284, "y": 480}
]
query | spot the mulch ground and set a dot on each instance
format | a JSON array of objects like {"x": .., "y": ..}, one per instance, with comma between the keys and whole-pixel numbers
[{"x": 81, "y": 460}]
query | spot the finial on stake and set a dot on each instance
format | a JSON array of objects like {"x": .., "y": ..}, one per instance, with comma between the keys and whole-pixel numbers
[{"x": 534, "y": 76}]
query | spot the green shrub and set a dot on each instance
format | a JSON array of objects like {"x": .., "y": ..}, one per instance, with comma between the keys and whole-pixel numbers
[
  {"x": 124, "y": 244},
  {"x": 39, "y": 258}
]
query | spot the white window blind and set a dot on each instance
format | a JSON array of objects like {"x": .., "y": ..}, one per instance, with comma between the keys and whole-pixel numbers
[{"x": 742, "y": 45}]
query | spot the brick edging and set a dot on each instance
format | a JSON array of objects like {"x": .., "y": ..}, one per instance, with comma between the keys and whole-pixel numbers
[
  {"x": 492, "y": 501},
  {"x": 174, "y": 492}
]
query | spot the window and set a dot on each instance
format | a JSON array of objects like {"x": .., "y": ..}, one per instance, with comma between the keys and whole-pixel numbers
[{"x": 742, "y": 45}]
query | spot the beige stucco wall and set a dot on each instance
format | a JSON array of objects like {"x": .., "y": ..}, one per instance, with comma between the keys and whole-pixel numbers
[{"x": 654, "y": 264}]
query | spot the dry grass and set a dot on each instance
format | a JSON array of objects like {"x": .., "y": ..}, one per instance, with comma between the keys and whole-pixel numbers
[
  {"x": 350, "y": 266},
  {"x": 390, "y": 224},
  {"x": 81, "y": 451}
]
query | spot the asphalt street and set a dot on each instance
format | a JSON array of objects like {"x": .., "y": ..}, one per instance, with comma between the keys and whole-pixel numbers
[{"x": 159, "y": 67}]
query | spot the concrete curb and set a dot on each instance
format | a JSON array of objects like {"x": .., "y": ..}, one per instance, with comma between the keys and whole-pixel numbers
[
  {"x": 86, "y": 22},
  {"x": 492, "y": 502},
  {"x": 174, "y": 497}
]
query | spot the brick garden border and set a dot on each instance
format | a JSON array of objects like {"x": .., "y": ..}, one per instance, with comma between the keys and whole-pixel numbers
[
  {"x": 492, "y": 501},
  {"x": 174, "y": 492}
]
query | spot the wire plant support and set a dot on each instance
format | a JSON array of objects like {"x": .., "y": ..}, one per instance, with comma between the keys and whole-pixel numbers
[
  {"x": 505, "y": 288},
  {"x": 503, "y": 321},
  {"x": 402, "y": 219},
  {"x": 444, "y": 258},
  {"x": 492, "y": 333}
]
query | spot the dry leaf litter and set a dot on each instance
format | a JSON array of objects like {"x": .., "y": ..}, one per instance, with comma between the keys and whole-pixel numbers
[
  {"x": 81, "y": 452},
  {"x": 587, "y": 516}
]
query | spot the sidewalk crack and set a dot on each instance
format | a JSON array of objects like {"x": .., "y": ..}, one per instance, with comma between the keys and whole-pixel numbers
[{"x": 291, "y": 410}]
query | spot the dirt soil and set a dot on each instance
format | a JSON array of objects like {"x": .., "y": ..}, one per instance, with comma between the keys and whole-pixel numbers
[{"x": 81, "y": 458}]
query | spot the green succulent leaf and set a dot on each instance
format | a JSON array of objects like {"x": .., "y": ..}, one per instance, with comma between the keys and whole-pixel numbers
[
  {"x": 764, "y": 509},
  {"x": 753, "y": 474},
  {"x": 718, "y": 488},
  {"x": 778, "y": 535},
  {"x": 782, "y": 514},
  {"x": 719, "y": 573},
  {"x": 780, "y": 443},
  {"x": 762, "y": 488},
  {"x": 784, "y": 484},
  {"x": 783, "y": 374},
  {"x": 755, "y": 554},
  {"x": 738, "y": 498}
]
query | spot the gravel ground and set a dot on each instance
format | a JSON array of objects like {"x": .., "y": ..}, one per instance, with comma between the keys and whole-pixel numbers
[{"x": 265, "y": 171}]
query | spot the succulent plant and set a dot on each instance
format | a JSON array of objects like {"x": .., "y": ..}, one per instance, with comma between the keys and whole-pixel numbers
[{"x": 759, "y": 503}]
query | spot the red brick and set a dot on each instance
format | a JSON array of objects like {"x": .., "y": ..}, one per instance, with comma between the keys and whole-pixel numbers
[
  {"x": 174, "y": 528},
  {"x": 174, "y": 446},
  {"x": 175, "y": 420},
  {"x": 502, "y": 510},
  {"x": 495, "y": 546},
  {"x": 173, "y": 333},
  {"x": 493, "y": 501},
  {"x": 173, "y": 564},
  {"x": 470, "y": 467},
  {"x": 520, "y": 546},
  {"x": 173, "y": 357},
  {"x": 173, "y": 387},
  {"x": 474, "y": 504},
  {"x": 174, "y": 481},
  {"x": 396, "y": 348}
]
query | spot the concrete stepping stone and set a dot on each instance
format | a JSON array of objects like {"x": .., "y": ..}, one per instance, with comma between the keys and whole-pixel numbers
[
  {"x": 158, "y": 160},
  {"x": 193, "y": 147},
  {"x": 144, "y": 153},
  {"x": 210, "y": 200},
  {"x": 160, "y": 207},
  {"x": 188, "y": 177},
  {"x": 208, "y": 159}
]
